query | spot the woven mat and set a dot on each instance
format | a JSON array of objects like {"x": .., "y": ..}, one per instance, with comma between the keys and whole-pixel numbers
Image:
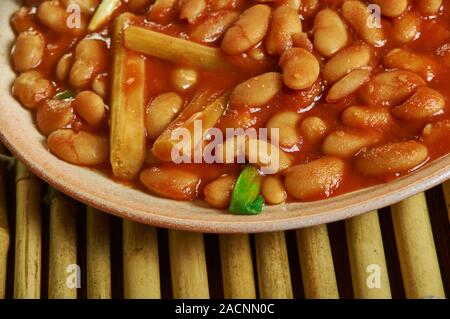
[{"x": 59, "y": 248}]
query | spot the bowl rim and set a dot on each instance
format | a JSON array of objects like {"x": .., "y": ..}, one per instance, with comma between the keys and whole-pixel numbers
[
  {"x": 285, "y": 217},
  {"x": 397, "y": 194}
]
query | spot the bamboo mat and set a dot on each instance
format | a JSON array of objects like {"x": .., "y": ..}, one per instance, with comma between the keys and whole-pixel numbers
[{"x": 50, "y": 244}]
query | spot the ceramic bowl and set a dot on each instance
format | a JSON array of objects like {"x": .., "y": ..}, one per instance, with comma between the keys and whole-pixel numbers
[{"x": 19, "y": 134}]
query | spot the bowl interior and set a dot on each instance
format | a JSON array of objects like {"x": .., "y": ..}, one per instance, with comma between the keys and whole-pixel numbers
[{"x": 18, "y": 133}]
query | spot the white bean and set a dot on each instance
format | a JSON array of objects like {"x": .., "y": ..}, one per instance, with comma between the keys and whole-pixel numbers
[
  {"x": 315, "y": 179},
  {"x": 80, "y": 148},
  {"x": 161, "y": 112},
  {"x": 257, "y": 91}
]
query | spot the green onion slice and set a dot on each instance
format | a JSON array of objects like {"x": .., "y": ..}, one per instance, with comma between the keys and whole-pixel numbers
[
  {"x": 246, "y": 199},
  {"x": 65, "y": 95}
]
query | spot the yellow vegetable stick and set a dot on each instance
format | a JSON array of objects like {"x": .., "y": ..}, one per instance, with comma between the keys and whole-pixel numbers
[
  {"x": 127, "y": 107},
  {"x": 164, "y": 144},
  {"x": 103, "y": 14},
  {"x": 174, "y": 49}
]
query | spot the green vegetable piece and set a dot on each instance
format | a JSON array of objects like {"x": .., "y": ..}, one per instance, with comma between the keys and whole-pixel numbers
[
  {"x": 257, "y": 205},
  {"x": 65, "y": 95},
  {"x": 245, "y": 199}
]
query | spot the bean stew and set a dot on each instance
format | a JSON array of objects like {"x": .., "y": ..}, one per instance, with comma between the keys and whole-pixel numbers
[{"x": 342, "y": 95}]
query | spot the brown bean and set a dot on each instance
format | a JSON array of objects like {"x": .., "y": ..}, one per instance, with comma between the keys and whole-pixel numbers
[
  {"x": 424, "y": 104},
  {"x": 346, "y": 60},
  {"x": 31, "y": 88},
  {"x": 391, "y": 8},
  {"x": 407, "y": 27},
  {"x": 330, "y": 32},
  {"x": 90, "y": 107},
  {"x": 301, "y": 69},
  {"x": 346, "y": 144},
  {"x": 273, "y": 191},
  {"x": 348, "y": 85},
  {"x": 256, "y": 91},
  {"x": 284, "y": 27},
  {"x": 215, "y": 25},
  {"x": 248, "y": 30},
  {"x": 90, "y": 60},
  {"x": 358, "y": 16},
  {"x": 390, "y": 88},
  {"x": 171, "y": 182},
  {"x": 53, "y": 115},
  {"x": 391, "y": 158},
  {"x": 218, "y": 192},
  {"x": 80, "y": 148},
  {"x": 315, "y": 179},
  {"x": 367, "y": 117},
  {"x": 28, "y": 50}
]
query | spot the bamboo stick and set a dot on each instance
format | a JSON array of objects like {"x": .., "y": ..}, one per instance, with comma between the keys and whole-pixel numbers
[
  {"x": 127, "y": 107},
  {"x": 188, "y": 265},
  {"x": 316, "y": 263},
  {"x": 272, "y": 264},
  {"x": 103, "y": 14},
  {"x": 140, "y": 261},
  {"x": 63, "y": 246},
  {"x": 4, "y": 229},
  {"x": 367, "y": 259},
  {"x": 237, "y": 267},
  {"x": 175, "y": 49},
  {"x": 98, "y": 255},
  {"x": 27, "y": 270},
  {"x": 416, "y": 249},
  {"x": 446, "y": 190}
]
